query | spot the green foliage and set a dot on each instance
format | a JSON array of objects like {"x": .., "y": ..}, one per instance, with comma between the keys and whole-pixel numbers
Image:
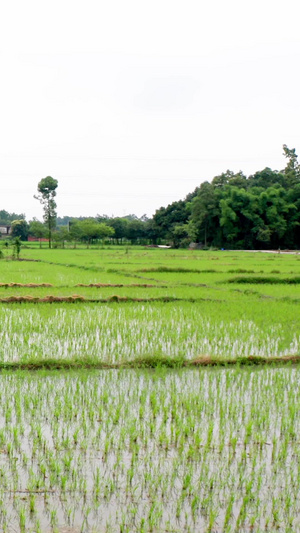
[
  {"x": 7, "y": 218},
  {"x": 135, "y": 231},
  {"x": 119, "y": 225},
  {"x": 37, "y": 229},
  {"x": 46, "y": 194},
  {"x": 19, "y": 228},
  {"x": 261, "y": 211},
  {"x": 90, "y": 230},
  {"x": 205, "y": 211},
  {"x": 61, "y": 236},
  {"x": 17, "y": 247},
  {"x": 165, "y": 220},
  {"x": 264, "y": 280},
  {"x": 292, "y": 169}
]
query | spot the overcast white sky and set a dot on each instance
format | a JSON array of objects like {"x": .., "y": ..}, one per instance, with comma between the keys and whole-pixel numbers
[{"x": 131, "y": 104}]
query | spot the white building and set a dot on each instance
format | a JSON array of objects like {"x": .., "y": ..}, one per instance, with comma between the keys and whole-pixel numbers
[{"x": 5, "y": 230}]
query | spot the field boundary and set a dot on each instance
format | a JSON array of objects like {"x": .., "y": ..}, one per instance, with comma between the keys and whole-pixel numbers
[
  {"x": 75, "y": 298},
  {"x": 150, "y": 362}
]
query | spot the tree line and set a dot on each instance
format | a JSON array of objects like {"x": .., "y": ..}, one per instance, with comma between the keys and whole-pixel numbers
[
  {"x": 232, "y": 211},
  {"x": 88, "y": 230},
  {"x": 236, "y": 211}
]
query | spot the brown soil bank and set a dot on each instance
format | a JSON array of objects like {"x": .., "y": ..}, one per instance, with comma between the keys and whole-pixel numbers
[
  {"x": 111, "y": 299},
  {"x": 148, "y": 363},
  {"x": 31, "y": 285}
]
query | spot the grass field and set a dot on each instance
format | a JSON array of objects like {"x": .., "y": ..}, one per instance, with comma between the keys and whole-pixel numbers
[{"x": 139, "y": 450}]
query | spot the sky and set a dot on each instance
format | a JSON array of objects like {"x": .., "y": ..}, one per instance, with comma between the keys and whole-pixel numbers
[{"x": 132, "y": 104}]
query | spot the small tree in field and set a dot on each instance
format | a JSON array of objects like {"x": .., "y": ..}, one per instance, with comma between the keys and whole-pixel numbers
[
  {"x": 17, "y": 247},
  {"x": 38, "y": 230},
  {"x": 46, "y": 194},
  {"x": 62, "y": 235}
]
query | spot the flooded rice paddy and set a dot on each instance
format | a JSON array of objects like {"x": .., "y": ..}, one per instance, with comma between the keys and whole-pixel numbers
[
  {"x": 114, "y": 333},
  {"x": 109, "y": 451},
  {"x": 202, "y": 450}
]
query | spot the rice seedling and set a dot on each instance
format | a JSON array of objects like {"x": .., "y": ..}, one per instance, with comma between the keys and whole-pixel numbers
[
  {"x": 167, "y": 446},
  {"x": 196, "y": 449}
]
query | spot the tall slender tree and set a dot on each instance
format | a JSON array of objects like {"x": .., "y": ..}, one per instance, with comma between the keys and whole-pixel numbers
[{"x": 46, "y": 194}]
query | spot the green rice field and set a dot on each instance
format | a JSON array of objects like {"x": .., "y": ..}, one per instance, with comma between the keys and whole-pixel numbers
[{"x": 195, "y": 449}]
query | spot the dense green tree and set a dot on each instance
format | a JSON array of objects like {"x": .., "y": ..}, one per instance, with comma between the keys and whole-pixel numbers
[
  {"x": 205, "y": 210},
  {"x": 135, "y": 231},
  {"x": 91, "y": 230},
  {"x": 293, "y": 217},
  {"x": 152, "y": 232},
  {"x": 275, "y": 210},
  {"x": 105, "y": 231},
  {"x": 181, "y": 235},
  {"x": 229, "y": 220},
  {"x": 262, "y": 210},
  {"x": 119, "y": 226},
  {"x": 19, "y": 228},
  {"x": 266, "y": 178},
  {"x": 166, "y": 218}
]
